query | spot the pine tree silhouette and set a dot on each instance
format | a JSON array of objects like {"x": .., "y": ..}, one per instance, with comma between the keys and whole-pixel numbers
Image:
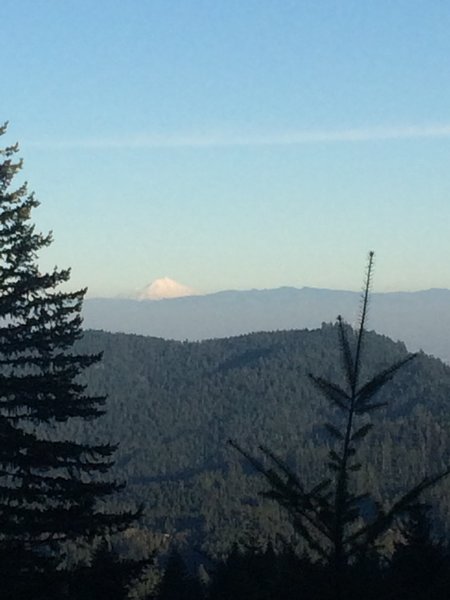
[
  {"x": 51, "y": 488},
  {"x": 331, "y": 516}
]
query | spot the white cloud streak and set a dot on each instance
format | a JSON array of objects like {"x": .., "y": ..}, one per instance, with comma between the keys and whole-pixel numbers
[{"x": 223, "y": 140}]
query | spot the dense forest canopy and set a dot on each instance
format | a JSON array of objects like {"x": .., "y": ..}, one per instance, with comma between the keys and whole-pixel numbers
[{"x": 173, "y": 405}]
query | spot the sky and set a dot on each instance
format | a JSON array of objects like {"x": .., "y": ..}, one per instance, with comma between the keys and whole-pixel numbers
[{"x": 234, "y": 144}]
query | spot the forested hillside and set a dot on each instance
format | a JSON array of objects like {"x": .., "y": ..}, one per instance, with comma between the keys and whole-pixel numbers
[{"x": 172, "y": 406}]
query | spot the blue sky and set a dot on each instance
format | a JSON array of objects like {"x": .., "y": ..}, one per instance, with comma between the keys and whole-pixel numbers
[{"x": 234, "y": 143}]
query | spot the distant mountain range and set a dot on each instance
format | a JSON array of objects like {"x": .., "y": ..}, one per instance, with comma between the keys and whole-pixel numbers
[{"x": 420, "y": 319}]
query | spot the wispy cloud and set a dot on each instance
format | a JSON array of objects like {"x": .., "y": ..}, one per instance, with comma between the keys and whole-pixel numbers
[{"x": 218, "y": 140}]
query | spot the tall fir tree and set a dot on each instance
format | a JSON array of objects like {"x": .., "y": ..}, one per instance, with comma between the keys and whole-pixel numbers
[
  {"x": 340, "y": 524},
  {"x": 53, "y": 490}
]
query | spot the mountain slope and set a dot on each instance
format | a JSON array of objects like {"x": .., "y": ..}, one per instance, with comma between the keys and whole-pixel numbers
[{"x": 173, "y": 405}]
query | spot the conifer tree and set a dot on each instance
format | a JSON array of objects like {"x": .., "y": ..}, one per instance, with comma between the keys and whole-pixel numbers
[
  {"x": 331, "y": 516},
  {"x": 53, "y": 490}
]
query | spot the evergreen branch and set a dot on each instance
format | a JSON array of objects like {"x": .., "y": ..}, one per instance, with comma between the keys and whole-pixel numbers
[
  {"x": 300, "y": 504},
  {"x": 256, "y": 464},
  {"x": 381, "y": 524},
  {"x": 361, "y": 432},
  {"x": 313, "y": 496},
  {"x": 292, "y": 477},
  {"x": 355, "y": 467},
  {"x": 335, "y": 457},
  {"x": 301, "y": 510},
  {"x": 312, "y": 542},
  {"x": 334, "y": 431},
  {"x": 333, "y": 392},
  {"x": 380, "y": 379},
  {"x": 319, "y": 488}
]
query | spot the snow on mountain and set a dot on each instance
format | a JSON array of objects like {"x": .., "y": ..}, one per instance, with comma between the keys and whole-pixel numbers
[{"x": 165, "y": 288}]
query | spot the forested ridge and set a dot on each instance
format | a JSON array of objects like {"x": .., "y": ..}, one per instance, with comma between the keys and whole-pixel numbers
[{"x": 172, "y": 406}]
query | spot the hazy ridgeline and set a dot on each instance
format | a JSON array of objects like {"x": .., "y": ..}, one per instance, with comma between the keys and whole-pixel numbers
[{"x": 406, "y": 316}]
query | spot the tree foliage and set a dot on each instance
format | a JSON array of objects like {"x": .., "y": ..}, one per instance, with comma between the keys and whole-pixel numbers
[
  {"x": 52, "y": 488},
  {"x": 339, "y": 523}
]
